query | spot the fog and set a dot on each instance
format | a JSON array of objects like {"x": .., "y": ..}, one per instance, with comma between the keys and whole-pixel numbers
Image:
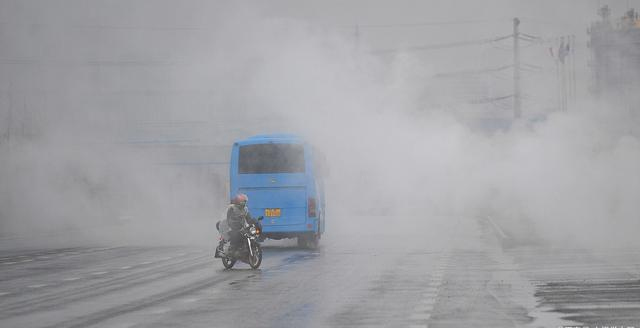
[{"x": 117, "y": 117}]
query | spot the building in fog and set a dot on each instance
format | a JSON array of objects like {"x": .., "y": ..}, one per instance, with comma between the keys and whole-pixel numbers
[{"x": 615, "y": 61}]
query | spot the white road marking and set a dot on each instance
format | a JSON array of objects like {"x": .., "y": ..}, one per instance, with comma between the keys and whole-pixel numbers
[
  {"x": 125, "y": 267},
  {"x": 610, "y": 306},
  {"x": 43, "y": 257},
  {"x": 429, "y": 295},
  {"x": 160, "y": 310},
  {"x": 37, "y": 286},
  {"x": 9, "y": 262},
  {"x": 27, "y": 260},
  {"x": 4, "y": 293},
  {"x": 423, "y": 308},
  {"x": 70, "y": 279},
  {"x": 145, "y": 263},
  {"x": 421, "y": 316},
  {"x": 104, "y": 249},
  {"x": 124, "y": 325},
  {"x": 190, "y": 300},
  {"x": 419, "y": 326},
  {"x": 99, "y": 273}
]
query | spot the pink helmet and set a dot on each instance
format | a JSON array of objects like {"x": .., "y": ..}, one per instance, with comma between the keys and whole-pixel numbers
[{"x": 239, "y": 199}]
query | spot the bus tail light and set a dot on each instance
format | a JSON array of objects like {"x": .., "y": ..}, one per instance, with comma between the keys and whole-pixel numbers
[{"x": 311, "y": 206}]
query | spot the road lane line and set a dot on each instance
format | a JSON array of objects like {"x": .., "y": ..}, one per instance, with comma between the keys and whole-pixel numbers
[
  {"x": 4, "y": 293},
  {"x": 8, "y": 263},
  {"x": 190, "y": 300},
  {"x": 37, "y": 286},
  {"x": 428, "y": 296},
  {"x": 148, "y": 262},
  {"x": 70, "y": 279},
  {"x": 27, "y": 260},
  {"x": 609, "y": 306},
  {"x": 103, "y": 249},
  {"x": 98, "y": 273},
  {"x": 421, "y": 316},
  {"x": 423, "y": 308},
  {"x": 160, "y": 311},
  {"x": 125, "y": 267},
  {"x": 123, "y": 325}
]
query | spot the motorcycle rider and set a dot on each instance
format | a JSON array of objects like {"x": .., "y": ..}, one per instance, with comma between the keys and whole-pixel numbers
[{"x": 237, "y": 215}]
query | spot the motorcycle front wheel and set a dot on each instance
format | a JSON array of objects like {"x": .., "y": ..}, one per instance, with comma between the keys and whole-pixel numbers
[
  {"x": 256, "y": 259},
  {"x": 228, "y": 263}
]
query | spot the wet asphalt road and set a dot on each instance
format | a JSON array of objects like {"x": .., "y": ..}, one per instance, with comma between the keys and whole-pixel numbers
[{"x": 460, "y": 278}]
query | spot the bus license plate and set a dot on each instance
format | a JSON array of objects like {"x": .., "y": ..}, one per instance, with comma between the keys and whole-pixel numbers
[{"x": 271, "y": 212}]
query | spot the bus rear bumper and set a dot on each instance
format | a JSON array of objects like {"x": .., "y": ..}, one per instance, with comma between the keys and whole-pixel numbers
[{"x": 290, "y": 230}]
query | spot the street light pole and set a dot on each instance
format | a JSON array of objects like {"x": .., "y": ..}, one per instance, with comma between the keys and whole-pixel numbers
[{"x": 517, "y": 101}]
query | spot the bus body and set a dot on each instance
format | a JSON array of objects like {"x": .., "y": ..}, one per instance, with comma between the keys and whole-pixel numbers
[{"x": 278, "y": 174}]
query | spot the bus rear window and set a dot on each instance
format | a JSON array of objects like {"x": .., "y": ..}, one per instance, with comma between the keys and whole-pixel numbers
[{"x": 271, "y": 158}]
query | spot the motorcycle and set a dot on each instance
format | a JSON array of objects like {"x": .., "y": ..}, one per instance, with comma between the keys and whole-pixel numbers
[{"x": 250, "y": 252}]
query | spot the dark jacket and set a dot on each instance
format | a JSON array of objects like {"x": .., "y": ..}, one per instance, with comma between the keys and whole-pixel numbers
[{"x": 236, "y": 217}]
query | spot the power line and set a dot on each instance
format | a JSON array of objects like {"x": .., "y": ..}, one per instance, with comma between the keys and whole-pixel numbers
[
  {"x": 118, "y": 63},
  {"x": 473, "y": 72},
  {"x": 490, "y": 100},
  {"x": 445, "y": 45},
  {"x": 107, "y": 27},
  {"x": 433, "y": 23},
  {"x": 530, "y": 36}
]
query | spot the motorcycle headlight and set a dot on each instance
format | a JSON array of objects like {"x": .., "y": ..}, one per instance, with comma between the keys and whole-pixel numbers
[{"x": 253, "y": 230}]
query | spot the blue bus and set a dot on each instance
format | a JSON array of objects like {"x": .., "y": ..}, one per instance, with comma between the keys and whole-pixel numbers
[{"x": 282, "y": 176}]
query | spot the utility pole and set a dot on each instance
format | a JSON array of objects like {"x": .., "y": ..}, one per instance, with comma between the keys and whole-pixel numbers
[
  {"x": 517, "y": 103},
  {"x": 356, "y": 37}
]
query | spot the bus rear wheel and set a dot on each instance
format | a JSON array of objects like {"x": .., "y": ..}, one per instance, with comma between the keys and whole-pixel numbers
[
  {"x": 310, "y": 241},
  {"x": 302, "y": 241},
  {"x": 313, "y": 241}
]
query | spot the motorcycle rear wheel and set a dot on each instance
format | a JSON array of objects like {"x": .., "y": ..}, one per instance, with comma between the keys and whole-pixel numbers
[
  {"x": 228, "y": 263},
  {"x": 256, "y": 259}
]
